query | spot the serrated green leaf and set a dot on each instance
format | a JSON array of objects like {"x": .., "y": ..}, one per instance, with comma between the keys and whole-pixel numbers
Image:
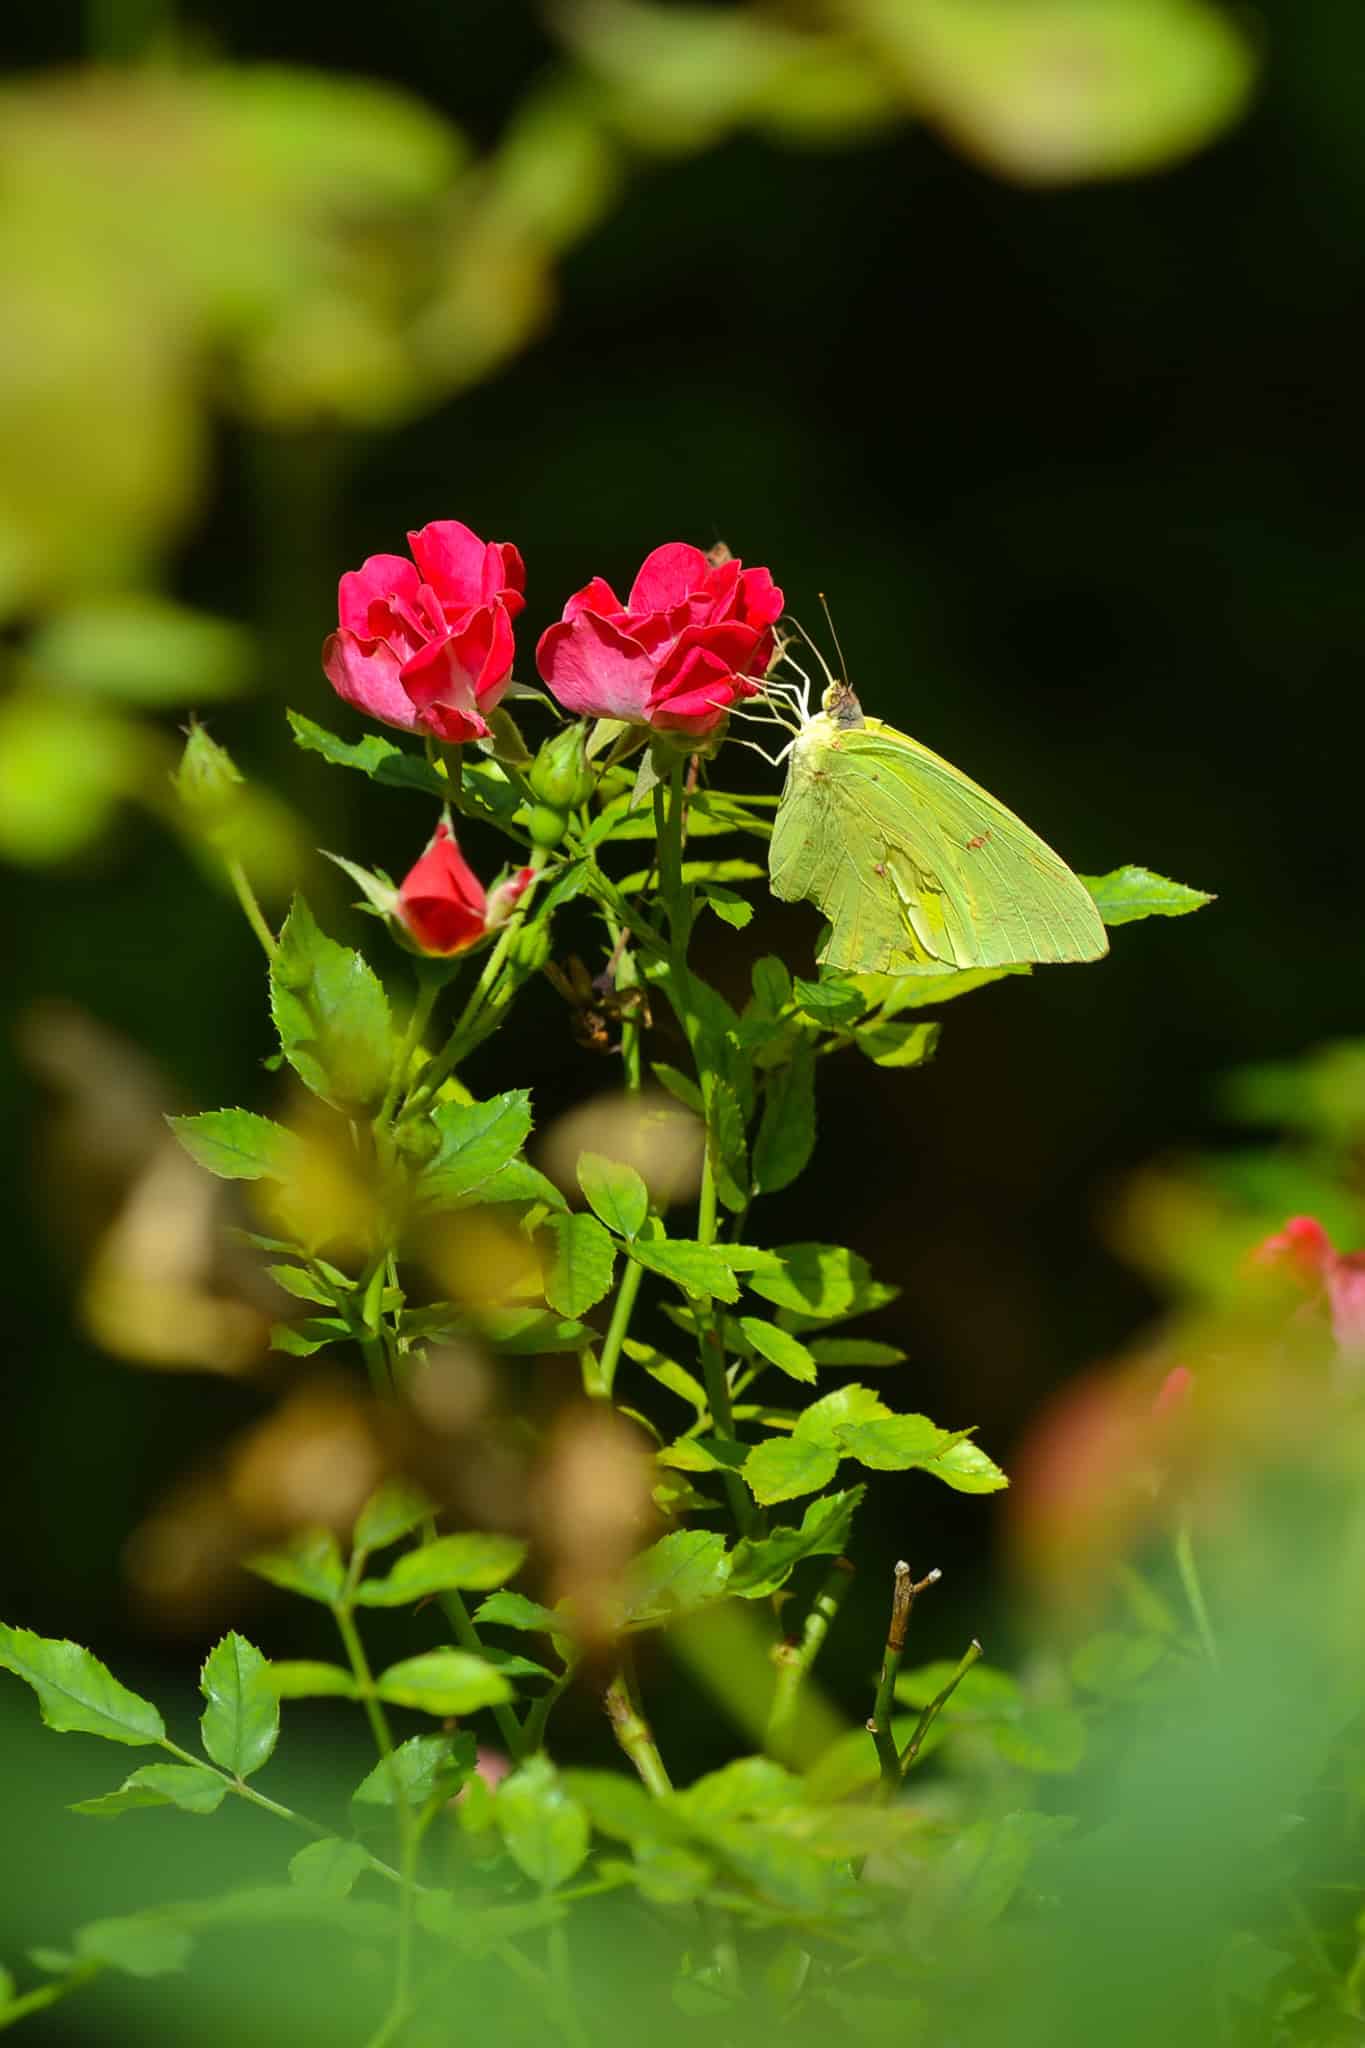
[
  {"x": 303, "y": 1679},
  {"x": 424, "y": 1766},
  {"x": 76, "y": 1694},
  {"x": 241, "y": 1723},
  {"x": 236, "y": 1144},
  {"x": 898, "y": 1045},
  {"x": 760, "y": 1565},
  {"x": 726, "y": 1142},
  {"x": 676, "y": 1575},
  {"x": 783, "y": 1468},
  {"x": 515, "y": 1182},
  {"x": 390, "y": 1514},
  {"x": 615, "y": 1192},
  {"x": 329, "y": 1868},
  {"x": 678, "y": 1085},
  {"x": 381, "y": 759},
  {"x": 786, "y": 1130},
  {"x": 192, "y": 1787},
  {"x": 835, "y": 999},
  {"x": 580, "y": 1272},
  {"x": 524, "y": 1332},
  {"x": 514, "y": 1610},
  {"x": 701, "y": 1270},
  {"x": 294, "y": 1280},
  {"x": 819, "y": 1280},
  {"x": 966, "y": 1468},
  {"x": 1130, "y": 893},
  {"x": 443, "y": 1682},
  {"x": 546, "y": 1832},
  {"x": 730, "y": 908},
  {"x": 466, "y": 1562},
  {"x": 668, "y": 1373},
  {"x": 826, "y": 1418},
  {"x": 854, "y": 1351},
  {"x": 779, "y": 1347},
  {"x": 892, "y": 1443},
  {"x": 332, "y": 1015},
  {"x": 475, "y": 1141},
  {"x": 309, "y": 1563},
  {"x": 140, "y": 1946}
]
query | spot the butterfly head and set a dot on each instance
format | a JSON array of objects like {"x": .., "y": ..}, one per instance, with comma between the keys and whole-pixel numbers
[{"x": 840, "y": 705}]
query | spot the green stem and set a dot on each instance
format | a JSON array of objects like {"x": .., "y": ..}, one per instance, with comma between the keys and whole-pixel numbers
[
  {"x": 428, "y": 988},
  {"x": 533, "y": 1735},
  {"x": 618, "y": 1327},
  {"x": 935, "y": 1708},
  {"x": 557, "y": 1956},
  {"x": 1194, "y": 1591},
  {"x": 635, "y": 1736},
  {"x": 255, "y": 916},
  {"x": 903, "y": 1595},
  {"x": 795, "y": 1661},
  {"x": 401, "y": 2004},
  {"x": 467, "y": 1635},
  {"x": 48, "y": 1994}
]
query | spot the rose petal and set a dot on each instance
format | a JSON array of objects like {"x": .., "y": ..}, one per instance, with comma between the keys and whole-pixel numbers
[
  {"x": 699, "y": 694},
  {"x": 760, "y": 602},
  {"x": 366, "y": 674},
  {"x": 441, "y": 901},
  {"x": 594, "y": 669},
  {"x": 667, "y": 577},
  {"x": 504, "y": 576},
  {"x": 452, "y": 559},
  {"x": 597, "y": 596},
  {"x": 362, "y": 593}
]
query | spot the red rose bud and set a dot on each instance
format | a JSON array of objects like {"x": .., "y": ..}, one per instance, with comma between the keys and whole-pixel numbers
[
  {"x": 427, "y": 645},
  {"x": 442, "y": 905},
  {"x": 686, "y": 645}
]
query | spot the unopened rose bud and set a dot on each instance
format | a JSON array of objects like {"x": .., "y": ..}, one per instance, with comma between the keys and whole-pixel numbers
[
  {"x": 560, "y": 775},
  {"x": 442, "y": 906}
]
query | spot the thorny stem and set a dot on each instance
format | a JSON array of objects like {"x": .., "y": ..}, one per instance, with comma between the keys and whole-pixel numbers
[
  {"x": 905, "y": 1591},
  {"x": 935, "y": 1708},
  {"x": 633, "y": 1733},
  {"x": 794, "y": 1660}
]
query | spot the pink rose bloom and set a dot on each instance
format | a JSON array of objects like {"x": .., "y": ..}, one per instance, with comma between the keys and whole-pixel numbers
[
  {"x": 686, "y": 645},
  {"x": 428, "y": 648},
  {"x": 1338, "y": 1278},
  {"x": 441, "y": 903}
]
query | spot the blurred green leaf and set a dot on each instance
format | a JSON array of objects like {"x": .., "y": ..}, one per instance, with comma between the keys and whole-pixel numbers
[
  {"x": 329, "y": 1868},
  {"x": 143, "y": 650},
  {"x": 76, "y": 1694},
  {"x": 309, "y": 1563},
  {"x": 241, "y": 1723},
  {"x": 63, "y": 769},
  {"x": 467, "y": 1562},
  {"x": 678, "y": 1573},
  {"x": 546, "y": 1831},
  {"x": 898, "y": 1045},
  {"x": 389, "y": 1514},
  {"x": 141, "y": 1945},
  {"x": 304, "y": 1679},
  {"x": 443, "y": 1682}
]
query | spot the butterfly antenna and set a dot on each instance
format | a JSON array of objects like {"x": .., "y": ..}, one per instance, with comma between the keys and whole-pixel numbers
[{"x": 829, "y": 621}]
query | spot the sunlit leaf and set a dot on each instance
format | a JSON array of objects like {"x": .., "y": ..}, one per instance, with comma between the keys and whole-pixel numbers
[
  {"x": 76, "y": 1694},
  {"x": 443, "y": 1682},
  {"x": 331, "y": 1013},
  {"x": 309, "y": 1563},
  {"x": 236, "y": 1144},
  {"x": 759, "y": 1565},
  {"x": 241, "y": 1723},
  {"x": 1131, "y": 893},
  {"x": 701, "y": 1270},
  {"x": 786, "y": 1131},
  {"x": 465, "y": 1562},
  {"x": 779, "y": 1347},
  {"x": 584, "y": 1260},
  {"x": 476, "y": 1140}
]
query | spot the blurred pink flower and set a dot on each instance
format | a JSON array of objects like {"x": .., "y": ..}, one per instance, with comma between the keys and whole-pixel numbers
[
  {"x": 427, "y": 645},
  {"x": 685, "y": 646},
  {"x": 1336, "y": 1278}
]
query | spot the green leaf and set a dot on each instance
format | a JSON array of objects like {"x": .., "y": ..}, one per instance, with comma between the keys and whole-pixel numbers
[
  {"x": 424, "y": 1766},
  {"x": 526, "y": 1332},
  {"x": 725, "y": 1142},
  {"x": 1114, "y": 1665},
  {"x": 675, "y": 1575},
  {"x": 730, "y": 908},
  {"x": 515, "y": 1182},
  {"x": 546, "y": 1831},
  {"x": 615, "y": 1192},
  {"x": 1049, "y": 1739},
  {"x": 192, "y": 1787},
  {"x": 143, "y": 649},
  {"x": 514, "y": 1610},
  {"x": 309, "y": 1563},
  {"x": 898, "y": 1045},
  {"x": 332, "y": 1015},
  {"x": 783, "y": 1468},
  {"x": 983, "y": 1691},
  {"x": 464, "y": 1562},
  {"x": 329, "y": 1868},
  {"x": 1130, "y": 893},
  {"x": 668, "y": 1373},
  {"x": 294, "y": 1280},
  {"x": 475, "y": 1141},
  {"x": 779, "y": 1347},
  {"x": 966, "y": 1468},
  {"x": 759, "y": 1566},
  {"x": 583, "y": 1264},
  {"x": 236, "y": 1144},
  {"x": 771, "y": 984},
  {"x": 7, "y": 1988},
  {"x": 893, "y": 993},
  {"x": 824, "y": 1421},
  {"x": 303, "y": 1679},
  {"x": 701, "y": 1270},
  {"x": 140, "y": 1946},
  {"x": 241, "y": 1723},
  {"x": 786, "y": 1131},
  {"x": 892, "y": 1443},
  {"x": 76, "y": 1694},
  {"x": 443, "y": 1682},
  {"x": 834, "y": 999},
  {"x": 749, "y": 1786},
  {"x": 381, "y": 759},
  {"x": 854, "y": 1351},
  {"x": 390, "y": 1514},
  {"x": 820, "y": 1280},
  {"x": 679, "y": 1087}
]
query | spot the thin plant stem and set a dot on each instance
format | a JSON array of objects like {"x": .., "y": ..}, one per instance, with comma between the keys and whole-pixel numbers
[
  {"x": 533, "y": 1734},
  {"x": 904, "y": 1593},
  {"x": 618, "y": 1327},
  {"x": 557, "y": 1955},
  {"x": 467, "y": 1635},
  {"x": 794, "y": 1660},
  {"x": 428, "y": 988},
  {"x": 1194, "y": 1590},
  {"x": 251, "y": 909},
  {"x": 401, "y": 2003},
  {"x": 935, "y": 1708},
  {"x": 49, "y": 1994},
  {"x": 635, "y": 1736}
]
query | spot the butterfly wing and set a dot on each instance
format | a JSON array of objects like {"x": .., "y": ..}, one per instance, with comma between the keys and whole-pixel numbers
[{"x": 918, "y": 867}]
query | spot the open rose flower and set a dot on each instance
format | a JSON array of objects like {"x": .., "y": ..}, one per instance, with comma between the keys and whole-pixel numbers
[
  {"x": 686, "y": 645},
  {"x": 426, "y": 644},
  {"x": 442, "y": 905},
  {"x": 1335, "y": 1278}
]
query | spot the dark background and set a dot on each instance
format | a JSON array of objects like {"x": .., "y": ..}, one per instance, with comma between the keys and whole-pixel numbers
[{"x": 1080, "y": 471}]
